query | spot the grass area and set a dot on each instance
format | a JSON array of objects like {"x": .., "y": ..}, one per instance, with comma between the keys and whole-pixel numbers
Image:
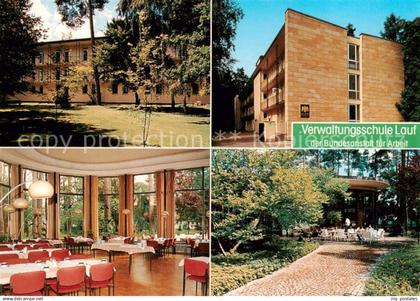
[
  {"x": 396, "y": 274},
  {"x": 235, "y": 270},
  {"x": 110, "y": 125}
]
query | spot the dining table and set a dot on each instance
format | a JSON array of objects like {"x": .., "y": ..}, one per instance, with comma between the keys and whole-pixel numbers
[
  {"x": 23, "y": 254},
  {"x": 130, "y": 249},
  {"x": 50, "y": 268}
]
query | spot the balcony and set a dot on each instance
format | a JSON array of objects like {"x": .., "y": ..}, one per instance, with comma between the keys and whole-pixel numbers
[
  {"x": 274, "y": 76},
  {"x": 273, "y": 101}
]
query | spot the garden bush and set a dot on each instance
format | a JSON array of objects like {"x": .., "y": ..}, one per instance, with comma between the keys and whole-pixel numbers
[
  {"x": 237, "y": 269},
  {"x": 397, "y": 273}
]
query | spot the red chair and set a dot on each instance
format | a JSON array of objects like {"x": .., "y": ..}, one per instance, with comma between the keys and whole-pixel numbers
[
  {"x": 28, "y": 284},
  {"x": 166, "y": 245},
  {"x": 59, "y": 255},
  {"x": 5, "y": 248},
  {"x": 42, "y": 246},
  {"x": 101, "y": 276},
  {"x": 38, "y": 256},
  {"x": 21, "y": 247},
  {"x": 69, "y": 281},
  {"x": 155, "y": 245},
  {"x": 4, "y": 257},
  {"x": 16, "y": 261},
  {"x": 78, "y": 256},
  {"x": 197, "y": 271},
  {"x": 203, "y": 249}
]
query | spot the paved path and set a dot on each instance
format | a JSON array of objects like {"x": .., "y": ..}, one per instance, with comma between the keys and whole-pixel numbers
[{"x": 334, "y": 269}]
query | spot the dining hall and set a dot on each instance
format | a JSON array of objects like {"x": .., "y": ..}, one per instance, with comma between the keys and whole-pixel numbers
[{"x": 104, "y": 222}]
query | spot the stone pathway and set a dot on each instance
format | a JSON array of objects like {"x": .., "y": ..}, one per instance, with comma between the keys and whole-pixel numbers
[{"x": 334, "y": 269}]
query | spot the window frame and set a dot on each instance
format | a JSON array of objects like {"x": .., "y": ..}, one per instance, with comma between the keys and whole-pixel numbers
[
  {"x": 356, "y": 90},
  {"x": 353, "y": 64}
]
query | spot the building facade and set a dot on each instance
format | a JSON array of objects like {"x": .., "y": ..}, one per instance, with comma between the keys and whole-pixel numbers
[
  {"x": 52, "y": 65},
  {"x": 314, "y": 72}
]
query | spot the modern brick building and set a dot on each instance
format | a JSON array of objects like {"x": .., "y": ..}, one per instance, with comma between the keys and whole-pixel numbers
[
  {"x": 52, "y": 63},
  {"x": 314, "y": 72}
]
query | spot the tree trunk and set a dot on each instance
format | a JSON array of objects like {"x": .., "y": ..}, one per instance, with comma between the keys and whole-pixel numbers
[
  {"x": 185, "y": 103},
  {"x": 173, "y": 100},
  {"x": 95, "y": 68},
  {"x": 137, "y": 98},
  {"x": 107, "y": 199},
  {"x": 235, "y": 247},
  {"x": 221, "y": 247}
]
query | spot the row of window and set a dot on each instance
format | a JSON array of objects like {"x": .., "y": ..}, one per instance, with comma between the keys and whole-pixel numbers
[
  {"x": 191, "y": 197},
  {"x": 61, "y": 56}
]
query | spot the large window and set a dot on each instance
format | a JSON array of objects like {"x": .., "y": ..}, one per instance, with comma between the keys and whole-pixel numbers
[
  {"x": 354, "y": 86},
  {"x": 145, "y": 211},
  {"x": 4, "y": 189},
  {"x": 108, "y": 206},
  {"x": 71, "y": 206},
  {"x": 192, "y": 201},
  {"x": 35, "y": 221},
  {"x": 353, "y": 56}
]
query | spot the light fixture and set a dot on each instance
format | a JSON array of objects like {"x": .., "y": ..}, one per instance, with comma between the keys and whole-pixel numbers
[
  {"x": 37, "y": 190},
  {"x": 41, "y": 190},
  {"x": 165, "y": 213},
  {"x": 126, "y": 211},
  {"x": 9, "y": 209},
  {"x": 20, "y": 203}
]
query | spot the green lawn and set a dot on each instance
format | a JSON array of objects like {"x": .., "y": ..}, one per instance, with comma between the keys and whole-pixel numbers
[
  {"x": 235, "y": 270},
  {"x": 396, "y": 274},
  {"x": 103, "y": 126}
]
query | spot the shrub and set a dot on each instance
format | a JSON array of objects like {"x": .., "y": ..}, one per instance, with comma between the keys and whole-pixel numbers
[
  {"x": 235, "y": 270},
  {"x": 396, "y": 273}
]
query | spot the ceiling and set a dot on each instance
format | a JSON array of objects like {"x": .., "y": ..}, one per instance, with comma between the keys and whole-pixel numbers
[{"x": 104, "y": 161}]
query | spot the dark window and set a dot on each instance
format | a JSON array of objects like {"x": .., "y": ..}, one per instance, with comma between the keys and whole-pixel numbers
[
  {"x": 114, "y": 88},
  {"x": 41, "y": 89},
  {"x": 57, "y": 57},
  {"x": 85, "y": 54},
  {"x": 57, "y": 87},
  {"x": 57, "y": 74},
  {"x": 85, "y": 89},
  {"x": 159, "y": 89},
  {"x": 66, "y": 57},
  {"x": 354, "y": 113},
  {"x": 125, "y": 89}
]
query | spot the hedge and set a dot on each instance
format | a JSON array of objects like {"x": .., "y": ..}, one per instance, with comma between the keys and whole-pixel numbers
[{"x": 397, "y": 273}]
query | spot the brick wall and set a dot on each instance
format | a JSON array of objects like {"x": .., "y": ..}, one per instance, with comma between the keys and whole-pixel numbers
[
  {"x": 382, "y": 79},
  {"x": 316, "y": 70}
]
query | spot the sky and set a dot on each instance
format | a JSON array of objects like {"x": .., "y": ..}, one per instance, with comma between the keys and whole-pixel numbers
[
  {"x": 264, "y": 18},
  {"x": 56, "y": 30}
]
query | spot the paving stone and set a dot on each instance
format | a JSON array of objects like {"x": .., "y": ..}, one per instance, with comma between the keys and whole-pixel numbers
[{"x": 334, "y": 269}]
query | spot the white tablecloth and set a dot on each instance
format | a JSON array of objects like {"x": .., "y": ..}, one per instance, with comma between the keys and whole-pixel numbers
[
  {"x": 7, "y": 271},
  {"x": 119, "y": 240},
  {"x": 127, "y": 248},
  {"x": 24, "y": 254},
  {"x": 200, "y": 258}
]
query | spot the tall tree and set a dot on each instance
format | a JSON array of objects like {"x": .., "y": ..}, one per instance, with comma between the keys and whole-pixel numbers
[
  {"x": 226, "y": 16},
  {"x": 410, "y": 102},
  {"x": 19, "y": 34},
  {"x": 74, "y": 13},
  {"x": 393, "y": 27}
]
